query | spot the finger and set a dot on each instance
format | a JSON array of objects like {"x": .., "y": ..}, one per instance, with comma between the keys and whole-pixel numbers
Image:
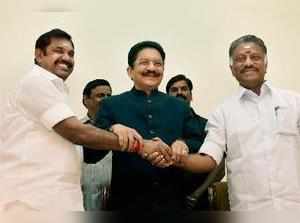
[
  {"x": 174, "y": 151},
  {"x": 151, "y": 157},
  {"x": 121, "y": 140},
  {"x": 131, "y": 141},
  {"x": 157, "y": 139},
  {"x": 185, "y": 151},
  {"x": 177, "y": 158},
  {"x": 157, "y": 160},
  {"x": 164, "y": 163},
  {"x": 144, "y": 155},
  {"x": 138, "y": 137},
  {"x": 166, "y": 151}
]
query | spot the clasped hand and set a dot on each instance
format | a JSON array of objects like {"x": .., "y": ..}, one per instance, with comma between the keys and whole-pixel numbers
[
  {"x": 161, "y": 155},
  {"x": 155, "y": 150}
]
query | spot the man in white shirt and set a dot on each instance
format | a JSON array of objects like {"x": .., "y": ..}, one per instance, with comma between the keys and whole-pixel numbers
[
  {"x": 39, "y": 164},
  {"x": 259, "y": 130}
]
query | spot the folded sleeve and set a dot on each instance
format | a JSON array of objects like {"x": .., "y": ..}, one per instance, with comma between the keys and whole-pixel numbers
[
  {"x": 215, "y": 141},
  {"x": 42, "y": 101}
]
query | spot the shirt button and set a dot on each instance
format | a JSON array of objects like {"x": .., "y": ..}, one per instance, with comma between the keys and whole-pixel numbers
[
  {"x": 150, "y": 116},
  {"x": 149, "y": 101},
  {"x": 151, "y": 132}
]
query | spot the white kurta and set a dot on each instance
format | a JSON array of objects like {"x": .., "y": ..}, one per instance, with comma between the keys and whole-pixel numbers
[
  {"x": 261, "y": 137},
  {"x": 38, "y": 168}
]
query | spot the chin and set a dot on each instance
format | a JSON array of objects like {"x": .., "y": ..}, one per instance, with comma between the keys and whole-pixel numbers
[{"x": 63, "y": 76}]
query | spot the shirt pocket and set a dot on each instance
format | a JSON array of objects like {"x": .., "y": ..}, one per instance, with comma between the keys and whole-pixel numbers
[
  {"x": 287, "y": 149},
  {"x": 287, "y": 123},
  {"x": 233, "y": 147}
]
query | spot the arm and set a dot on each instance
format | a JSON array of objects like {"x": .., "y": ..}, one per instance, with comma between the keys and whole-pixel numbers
[
  {"x": 197, "y": 163},
  {"x": 194, "y": 131},
  {"x": 76, "y": 132},
  {"x": 212, "y": 151},
  {"x": 193, "y": 135}
]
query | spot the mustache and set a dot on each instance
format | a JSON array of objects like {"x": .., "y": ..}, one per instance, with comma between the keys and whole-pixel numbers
[
  {"x": 151, "y": 73},
  {"x": 248, "y": 68},
  {"x": 181, "y": 96}
]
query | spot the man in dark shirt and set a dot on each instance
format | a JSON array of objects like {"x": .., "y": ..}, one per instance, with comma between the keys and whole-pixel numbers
[
  {"x": 142, "y": 184},
  {"x": 96, "y": 168},
  {"x": 181, "y": 87}
]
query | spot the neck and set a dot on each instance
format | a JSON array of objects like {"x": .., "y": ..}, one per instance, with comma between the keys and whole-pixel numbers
[
  {"x": 147, "y": 91},
  {"x": 256, "y": 90}
]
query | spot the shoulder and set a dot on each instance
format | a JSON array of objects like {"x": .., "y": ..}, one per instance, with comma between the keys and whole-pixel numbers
[
  {"x": 286, "y": 97},
  {"x": 116, "y": 99},
  {"x": 200, "y": 118},
  {"x": 172, "y": 100},
  {"x": 33, "y": 80},
  {"x": 286, "y": 93}
]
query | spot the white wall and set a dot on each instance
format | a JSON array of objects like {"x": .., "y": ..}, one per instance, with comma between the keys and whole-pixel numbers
[{"x": 195, "y": 34}]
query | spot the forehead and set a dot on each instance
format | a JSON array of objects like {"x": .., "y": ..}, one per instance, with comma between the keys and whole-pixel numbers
[
  {"x": 61, "y": 42},
  {"x": 180, "y": 83},
  {"x": 246, "y": 48},
  {"x": 101, "y": 89},
  {"x": 149, "y": 53}
]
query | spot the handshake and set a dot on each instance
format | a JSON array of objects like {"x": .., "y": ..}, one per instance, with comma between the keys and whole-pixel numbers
[
  {"x": 154, "y": 150},
  {"x": 161, "y": 155}
]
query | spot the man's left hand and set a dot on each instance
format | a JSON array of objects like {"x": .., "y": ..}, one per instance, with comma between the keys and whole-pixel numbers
[{"x": 179, "y": 148}]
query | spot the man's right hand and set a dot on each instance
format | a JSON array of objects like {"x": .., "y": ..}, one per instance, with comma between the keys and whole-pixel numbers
[
  {"x": 127, "y": 136},
  {"x": 157, "y": 153}
]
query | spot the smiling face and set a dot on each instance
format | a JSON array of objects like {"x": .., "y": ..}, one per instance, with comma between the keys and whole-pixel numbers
[
  {"x": 249, "y": 65},
  {"x": 147, "y": 70},
  {"x": 57, "y": 58}
]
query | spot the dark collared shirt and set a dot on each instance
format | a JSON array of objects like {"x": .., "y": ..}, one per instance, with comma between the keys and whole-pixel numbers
[{"x": 155, "y": 115}]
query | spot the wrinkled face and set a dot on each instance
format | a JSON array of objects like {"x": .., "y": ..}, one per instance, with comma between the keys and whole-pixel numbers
[
  {"x": 181, "y": 89},
  {"x": 58, "y": 57},
  {"x": 249, "y": 65},
  {"x": 147, "y": 70},
  {"x": 92, "y": 102}
]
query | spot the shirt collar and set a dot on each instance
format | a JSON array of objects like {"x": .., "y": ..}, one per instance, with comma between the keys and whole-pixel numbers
[
  {"x": 266, "y": 88},
  {"x": 140, "y": 92}
]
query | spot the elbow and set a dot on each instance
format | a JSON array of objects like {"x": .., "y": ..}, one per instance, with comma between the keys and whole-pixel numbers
[
  {"x": 72, "y": 130},
  {"x": 212, "y": 166}
]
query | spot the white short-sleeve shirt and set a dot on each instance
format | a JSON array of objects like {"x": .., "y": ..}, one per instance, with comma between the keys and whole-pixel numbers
[
  {"x": 261, "y": 138},
  {"x": 38, "y": 167}
]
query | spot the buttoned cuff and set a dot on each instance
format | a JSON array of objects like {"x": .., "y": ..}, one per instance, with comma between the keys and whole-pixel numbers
[{"x": 212, "y": 150}]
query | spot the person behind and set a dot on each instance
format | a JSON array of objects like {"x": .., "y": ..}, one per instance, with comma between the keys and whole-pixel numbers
[
  {"x": 96, "y": 176},
  {"x": 259, "y": 129},
  {"x": 143, "y": 185},
  {"x": 181, "y": 87},
  {"x": 39, "y": 163}
]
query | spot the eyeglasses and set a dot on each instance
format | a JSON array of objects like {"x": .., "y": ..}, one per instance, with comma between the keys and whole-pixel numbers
[{"x": 156, "y": 63}]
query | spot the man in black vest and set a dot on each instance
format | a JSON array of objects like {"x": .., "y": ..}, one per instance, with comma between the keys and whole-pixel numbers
[
  {"x": 181, "y": 87},
  {"x": 145, "y": 185}
]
